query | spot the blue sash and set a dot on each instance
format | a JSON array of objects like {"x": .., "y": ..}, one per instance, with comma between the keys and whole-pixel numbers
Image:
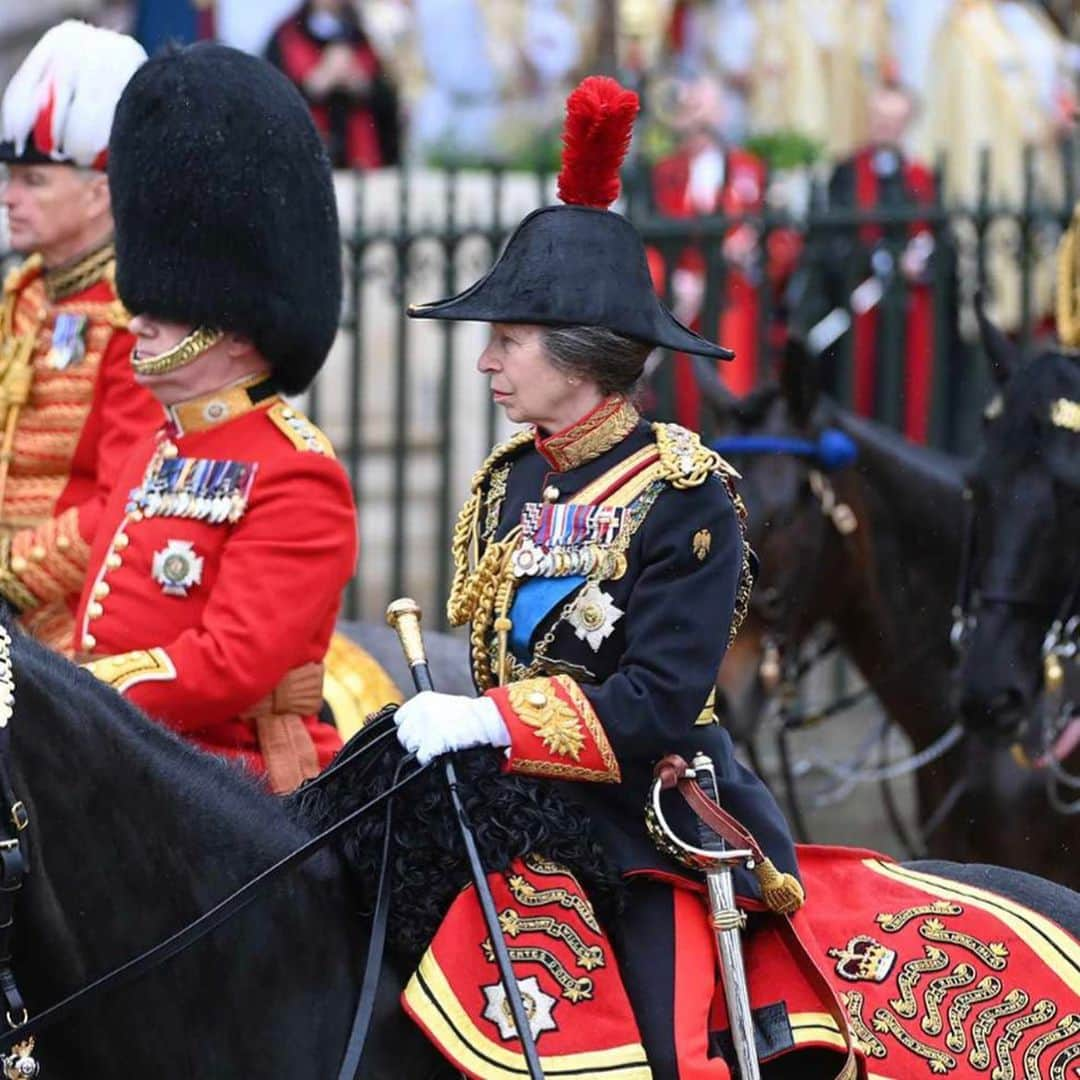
[{"x": 533, "y": 600}]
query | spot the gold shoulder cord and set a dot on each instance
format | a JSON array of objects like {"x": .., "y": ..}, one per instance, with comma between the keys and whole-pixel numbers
[
  {"x": 465, "y": 586},
  {"x": 16, "y": 358},
  {"x": 477, "y": 576},
  {"x": 1068, "y": 286},
  {"x": 686, "y": 462}
]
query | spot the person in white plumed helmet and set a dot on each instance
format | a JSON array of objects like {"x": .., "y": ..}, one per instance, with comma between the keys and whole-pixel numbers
[{"x": 69, "y": 405}]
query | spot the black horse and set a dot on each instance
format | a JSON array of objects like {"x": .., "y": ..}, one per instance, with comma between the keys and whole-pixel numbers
[
  {"x": 1021, "y": 594},
  {"x": 887, "y": 589},
  {"x": 132, "y": 834}
]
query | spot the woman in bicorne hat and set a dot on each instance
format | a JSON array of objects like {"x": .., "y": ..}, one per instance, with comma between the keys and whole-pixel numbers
[{"x": 600, "y": 560}]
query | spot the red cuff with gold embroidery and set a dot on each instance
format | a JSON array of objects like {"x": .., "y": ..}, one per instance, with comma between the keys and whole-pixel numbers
[
  {"x": 554, "y": 731},
  {"x": 45, "y": 563}
]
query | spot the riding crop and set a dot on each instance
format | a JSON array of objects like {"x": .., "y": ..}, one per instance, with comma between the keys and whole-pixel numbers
[{"x": 404, "y": 616}]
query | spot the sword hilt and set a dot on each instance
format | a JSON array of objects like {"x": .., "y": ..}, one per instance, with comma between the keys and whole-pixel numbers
[
  {"x": 705, "y": 774},
  {"x": 712, "y": 852}
]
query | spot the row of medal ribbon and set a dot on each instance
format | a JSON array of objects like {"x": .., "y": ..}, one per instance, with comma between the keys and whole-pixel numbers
[
  {"x": 587, "y": 560},
  {"x": 196, "y": 488},
  {"x": 563, "y": 539}
]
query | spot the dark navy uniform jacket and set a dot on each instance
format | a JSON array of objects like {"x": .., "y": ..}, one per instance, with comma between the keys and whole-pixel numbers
[{"x": 606, "y": 672}]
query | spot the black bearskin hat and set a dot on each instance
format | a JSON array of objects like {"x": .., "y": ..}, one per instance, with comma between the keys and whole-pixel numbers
[
  {"x": 579, "y": 264},
  {"x": 224, "y": 206}
]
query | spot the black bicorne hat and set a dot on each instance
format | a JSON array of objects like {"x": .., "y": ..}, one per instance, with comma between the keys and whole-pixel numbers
[
  {"x": 224, "y": 206},
  {"x": 579, "y": 264}
]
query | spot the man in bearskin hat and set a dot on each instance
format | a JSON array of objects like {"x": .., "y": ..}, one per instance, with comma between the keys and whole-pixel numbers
[
  {"x": 216, "y": 574},
  {"x": 69, "y": 406}
]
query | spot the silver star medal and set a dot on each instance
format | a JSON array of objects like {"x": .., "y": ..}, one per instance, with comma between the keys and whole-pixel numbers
[
  {"x": 538, "y": 1007},
  {"x": 176, "y": 568},
  {"x": 594, "y": 616}
]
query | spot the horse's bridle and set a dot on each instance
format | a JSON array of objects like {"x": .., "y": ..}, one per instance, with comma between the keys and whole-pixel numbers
[
  {"x": 1060, "y": 647},
  {"x": 14, "y": 864},
  {"x": 17, "y": 1042},
  {"x": 781, "y": 671}
]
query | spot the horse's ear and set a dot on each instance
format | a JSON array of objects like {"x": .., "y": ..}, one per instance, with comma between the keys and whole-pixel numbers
[
  {"x": 714, "y": 392},
  {"x": 800, "y": 381},
  {"x": 1004, "y": 356}
]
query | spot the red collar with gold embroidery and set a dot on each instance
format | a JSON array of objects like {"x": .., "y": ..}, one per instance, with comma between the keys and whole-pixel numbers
[{"x": 594, "y": 434}]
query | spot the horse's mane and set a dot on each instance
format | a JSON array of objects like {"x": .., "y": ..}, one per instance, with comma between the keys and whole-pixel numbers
[
  {"x": 76, "y": 734},
  {"x": 511, "y": 815},
  {"x": 90, "y": 735},
  {"x": 922, "y": 463}
]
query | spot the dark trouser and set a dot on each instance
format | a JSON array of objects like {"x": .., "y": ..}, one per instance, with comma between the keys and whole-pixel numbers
[{"x": 645, "y": 945}]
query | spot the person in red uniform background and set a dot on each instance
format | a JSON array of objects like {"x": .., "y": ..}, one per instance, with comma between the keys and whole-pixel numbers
[
  {"x": 323, "y": 49},
  {"x": 880, "y": 175},
  {"x": 69, "y": 407},
  {"x": 705, "y": 176},
  {"x": 216, "y": 575}
]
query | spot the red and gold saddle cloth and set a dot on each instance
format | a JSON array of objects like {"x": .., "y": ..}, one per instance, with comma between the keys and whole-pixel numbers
[{"x": 929, "y": 977}]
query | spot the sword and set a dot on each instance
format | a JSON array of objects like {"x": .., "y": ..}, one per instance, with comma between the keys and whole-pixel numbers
[
  {"x": 716, "y": 860},
  {"x": 728, "y": 922},
  {"x": 404, "y": 616}
]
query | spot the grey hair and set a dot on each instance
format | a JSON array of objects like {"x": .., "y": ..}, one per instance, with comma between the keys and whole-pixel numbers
[{"x": 612, "y": 360}]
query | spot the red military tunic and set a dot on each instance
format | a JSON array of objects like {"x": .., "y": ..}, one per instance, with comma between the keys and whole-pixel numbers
[
  {"x": 739, "y": 195},
  {"x": 69, "y": 427},
  {"x": 916, "y": 184},
  {"x": 219, "y": 567}
]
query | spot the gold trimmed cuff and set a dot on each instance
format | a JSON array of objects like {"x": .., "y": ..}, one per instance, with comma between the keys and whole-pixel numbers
[
  {"x": 125, "y": 670},
  {"x": 554, "y": 731}
]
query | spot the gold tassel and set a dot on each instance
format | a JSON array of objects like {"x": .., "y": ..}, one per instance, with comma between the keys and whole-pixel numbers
[{"x": 782, "y": 893}]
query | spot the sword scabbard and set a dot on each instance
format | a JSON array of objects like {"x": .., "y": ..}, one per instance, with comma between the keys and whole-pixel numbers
[{"x": 727, "y": 922}]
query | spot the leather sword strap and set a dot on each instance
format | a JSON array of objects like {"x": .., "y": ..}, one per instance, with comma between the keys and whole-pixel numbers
[{"x": 671, "y": 772}]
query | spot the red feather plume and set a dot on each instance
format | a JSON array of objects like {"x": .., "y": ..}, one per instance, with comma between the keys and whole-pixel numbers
[{"x": 599, "y": 122}]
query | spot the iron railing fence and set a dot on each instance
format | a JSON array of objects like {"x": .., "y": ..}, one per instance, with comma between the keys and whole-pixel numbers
[{"x": 411, "y": 419}]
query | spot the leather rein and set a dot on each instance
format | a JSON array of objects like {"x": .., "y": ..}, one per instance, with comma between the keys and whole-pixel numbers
[
  {"x": 831, "y": 451},
  {"x": 15, "y": 865}
]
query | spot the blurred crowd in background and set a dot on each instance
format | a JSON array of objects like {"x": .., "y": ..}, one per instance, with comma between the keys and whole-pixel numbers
[
  {"x": 871, "y": 163},
  {"x": 483, "y": 81}
]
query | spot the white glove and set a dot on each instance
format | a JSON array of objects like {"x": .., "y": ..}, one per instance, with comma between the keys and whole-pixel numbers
[{"x": 431, "y": 724}]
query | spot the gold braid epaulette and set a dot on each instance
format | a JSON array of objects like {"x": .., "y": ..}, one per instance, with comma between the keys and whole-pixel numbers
[
  {"x": 1068, "y": 285},
  {"x": 686, "y": 462},
  {"x": 20, "y": 275},
  {"x": 468, "y": 584}
]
